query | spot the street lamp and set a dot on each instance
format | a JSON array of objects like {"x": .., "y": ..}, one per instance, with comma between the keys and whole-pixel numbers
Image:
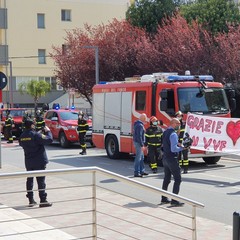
[
  {"x": 65, "y": 48},
  {"x": 10, "y": 85},
  {"x": 96, "y": 61}
]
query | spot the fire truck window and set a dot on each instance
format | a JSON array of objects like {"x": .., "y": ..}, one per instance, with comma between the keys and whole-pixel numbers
[
  {"x": 170, "y": 102},
  {"x": 140, "y": 100},
  {"x": 49, "y": 115}
]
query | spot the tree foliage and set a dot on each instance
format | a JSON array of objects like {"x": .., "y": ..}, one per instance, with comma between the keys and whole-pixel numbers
[
  {"x": 36, "y": 89},
  {"x": 148, "y": 14},
  {"x": 214, "y": 15},
  {"x": 225, "y": 54},
  {"x": 125, "y": 51},
  {"x": 118, "y": 43},
  {"x": 177, "y": 47}
]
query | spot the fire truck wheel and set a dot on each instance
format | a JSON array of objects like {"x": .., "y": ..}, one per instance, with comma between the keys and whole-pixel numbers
[
  {"x": 64, "y": 143},
  {"x": 211, "y": 160},
  {"x": 112, "y": 147}
]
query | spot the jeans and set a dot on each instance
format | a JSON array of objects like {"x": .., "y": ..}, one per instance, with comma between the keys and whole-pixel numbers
[
  {"x": 139, "y": 160},
  {"x": 171, "y": 167}
]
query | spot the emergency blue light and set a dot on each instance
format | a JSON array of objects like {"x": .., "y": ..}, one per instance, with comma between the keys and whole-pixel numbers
[
  {"x": 56, "y": 106},
  {"x": 72, "y": 107},
  {"x": 181, "y": 78}
]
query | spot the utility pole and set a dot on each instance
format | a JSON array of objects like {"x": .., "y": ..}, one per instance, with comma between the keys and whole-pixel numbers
[{"x": 3, "y": 49}]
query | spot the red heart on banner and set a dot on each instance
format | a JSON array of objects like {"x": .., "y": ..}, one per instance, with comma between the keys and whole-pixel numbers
[{"x": 233, "y": 131}]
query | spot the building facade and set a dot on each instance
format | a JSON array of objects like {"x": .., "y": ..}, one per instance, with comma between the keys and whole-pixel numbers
[{"x": 33, "y": 27}]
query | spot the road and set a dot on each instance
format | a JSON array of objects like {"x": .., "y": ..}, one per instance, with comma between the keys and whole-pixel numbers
[{"x": 216, "y": 186}]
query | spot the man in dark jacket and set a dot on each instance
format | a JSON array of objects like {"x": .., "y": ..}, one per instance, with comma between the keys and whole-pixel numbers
[
  {"x": 33, "y": 143},
  {"x": 9, "y": 123},
  {"x": 183, "y": 155},
  {"x": 39, "y": 121},
  {"x": 171, "y": 166},
  {"x": 139, "y": 141},
  {"x": 153, "y": 141},
  {"x": 82, "y": 130},
  {"x": 24, "y": 118}
]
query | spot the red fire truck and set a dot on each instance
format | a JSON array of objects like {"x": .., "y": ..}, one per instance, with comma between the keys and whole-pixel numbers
[{"x": 116, "y": 105}]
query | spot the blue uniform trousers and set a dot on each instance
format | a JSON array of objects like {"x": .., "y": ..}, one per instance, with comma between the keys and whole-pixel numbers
[
  {"x": 41, "y": 185},
  {"x": 171, "y": 167}
]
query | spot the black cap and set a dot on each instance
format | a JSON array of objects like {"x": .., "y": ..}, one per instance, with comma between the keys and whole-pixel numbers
[{"x": 28, "y": 122}]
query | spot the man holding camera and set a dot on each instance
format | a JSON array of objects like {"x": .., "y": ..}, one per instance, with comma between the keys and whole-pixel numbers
[{"x": 171, "y": 149}]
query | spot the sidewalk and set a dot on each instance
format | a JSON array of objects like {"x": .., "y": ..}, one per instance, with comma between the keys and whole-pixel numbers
[{"x": 19, "y": 222}]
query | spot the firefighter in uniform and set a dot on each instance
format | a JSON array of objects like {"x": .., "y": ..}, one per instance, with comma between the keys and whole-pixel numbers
[
  {"x": 33, "y": 143},
  {"x": 9, "y": 123},
  {"x": 24, "y": 118},
  {"x": 183, "y": 155},
  {"x": 153, "y": 137},
  {"x": 82, "y": 130},
  {"x": 39, "y": 121}
]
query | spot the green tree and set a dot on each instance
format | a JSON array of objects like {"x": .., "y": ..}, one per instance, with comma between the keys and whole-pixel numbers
[
  {"x": 148, "y": 14},
  {"x": 36, "y": 89},
  {"x": 214, "y": 15}
]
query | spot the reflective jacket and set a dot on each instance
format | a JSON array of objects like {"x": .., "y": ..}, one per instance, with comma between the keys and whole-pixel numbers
[
  {"x": 153, "y": 136},
  {"x": 181, "y": 132},
  {"x": 40, "y": 123},
  {"x": 82, "y": 126},
  {"x": 9, "y": 122}
]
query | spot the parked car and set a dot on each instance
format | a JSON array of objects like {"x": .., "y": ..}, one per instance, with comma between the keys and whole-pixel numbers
[
  {"x": 63, "y": 125},
  {"x": 17, "y": 115}
]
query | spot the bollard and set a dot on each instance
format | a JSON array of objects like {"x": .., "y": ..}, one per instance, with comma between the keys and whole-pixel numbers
[{"x": 236, "y": 226}]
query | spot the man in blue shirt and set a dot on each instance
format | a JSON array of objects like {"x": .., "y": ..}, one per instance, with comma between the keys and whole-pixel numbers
[
  {"x": 171, "y": 149},
  {"x": 139, "y": 141}
]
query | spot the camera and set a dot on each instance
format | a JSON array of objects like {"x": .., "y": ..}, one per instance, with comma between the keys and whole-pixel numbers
[{"x": 187, "y": 141}]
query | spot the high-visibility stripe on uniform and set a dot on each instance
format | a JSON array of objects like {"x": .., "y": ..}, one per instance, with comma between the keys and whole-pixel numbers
[
  {"x": 154, "y": 144},
  {"x": 153, "y": 135}
]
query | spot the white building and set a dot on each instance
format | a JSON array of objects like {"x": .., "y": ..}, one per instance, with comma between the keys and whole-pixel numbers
[{"x": 33, "y": 27}]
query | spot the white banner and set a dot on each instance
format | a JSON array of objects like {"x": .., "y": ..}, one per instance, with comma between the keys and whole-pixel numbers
[{"x": 214, "y": 134}]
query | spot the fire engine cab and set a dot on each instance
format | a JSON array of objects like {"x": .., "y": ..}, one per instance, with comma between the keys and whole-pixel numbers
[{"x": 116, "y": 105}]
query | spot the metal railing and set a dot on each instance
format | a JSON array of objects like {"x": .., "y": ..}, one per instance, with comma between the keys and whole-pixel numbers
[{"x": 94, "y": 198}]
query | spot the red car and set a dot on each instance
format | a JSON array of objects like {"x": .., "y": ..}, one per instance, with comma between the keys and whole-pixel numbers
[{"x": 63, "y": 125}]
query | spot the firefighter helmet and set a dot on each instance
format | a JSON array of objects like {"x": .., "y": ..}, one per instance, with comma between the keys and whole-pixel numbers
[
  {"x": 81, "y": 113},
  {"x": 38, "y": 112},
  {"x": 153, "y": 119},
  {"x": 8, "y": 112},
  {"x": 178, "y": 113}
]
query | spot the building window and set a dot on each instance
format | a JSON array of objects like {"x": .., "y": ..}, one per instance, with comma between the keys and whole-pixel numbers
[
  {"x": 53, "y": 83},
  {"x": 41, "y": 56},
  {"x": 41, "y": 20},
  {"x": 65, "y": 49},
  {"x": 66, "y": 15}
]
